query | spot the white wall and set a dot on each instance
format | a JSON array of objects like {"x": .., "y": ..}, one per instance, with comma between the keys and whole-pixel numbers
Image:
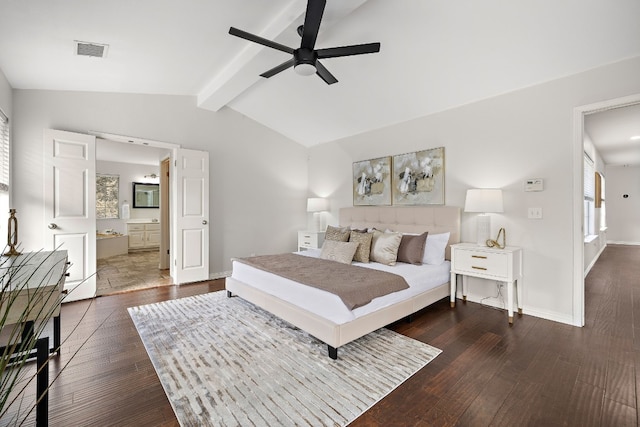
[
  {"x": 623, "y": 214},
  {"x": 128, "y": 173},
  {"x": 499, "y": 142},
  {"x": 258, "y": 178}
]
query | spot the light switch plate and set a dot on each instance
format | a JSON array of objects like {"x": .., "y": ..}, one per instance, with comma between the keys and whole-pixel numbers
[{"x": 535, "y": 213}]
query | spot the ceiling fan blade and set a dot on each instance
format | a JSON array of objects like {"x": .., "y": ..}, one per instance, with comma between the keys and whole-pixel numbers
[
  {"x": 315, "y": 9},
  {"x": 356, "y": 49},
  {"x": 257, "y": 39},
  {"x": 325, "y": 74},
  {"x": 275, "y": 70}
]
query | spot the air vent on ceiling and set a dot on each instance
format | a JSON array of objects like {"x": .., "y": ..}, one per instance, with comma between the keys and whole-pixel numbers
[{"x": 95, "y": 50}]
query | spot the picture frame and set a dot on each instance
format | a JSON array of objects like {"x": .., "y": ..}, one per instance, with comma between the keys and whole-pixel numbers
[
  {"x": 146, "y": 196},
  {"x": 418, "y": 178},
  {"x": 372, "y": 182}
]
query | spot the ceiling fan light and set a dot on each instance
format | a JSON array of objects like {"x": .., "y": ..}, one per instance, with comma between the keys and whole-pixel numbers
[{"x": 305, "y": 69}]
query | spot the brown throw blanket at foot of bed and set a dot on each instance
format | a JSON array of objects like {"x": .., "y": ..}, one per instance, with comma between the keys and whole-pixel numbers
[{"x": 356, "y": 286}]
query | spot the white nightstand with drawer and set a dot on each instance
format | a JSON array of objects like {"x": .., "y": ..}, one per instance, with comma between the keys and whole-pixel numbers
[
  {"x": 310, "y": 239},
  {"x": 503, "y": 265}
]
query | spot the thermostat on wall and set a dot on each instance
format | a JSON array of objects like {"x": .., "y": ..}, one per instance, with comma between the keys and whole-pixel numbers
[{"x": 534, "y": 184}]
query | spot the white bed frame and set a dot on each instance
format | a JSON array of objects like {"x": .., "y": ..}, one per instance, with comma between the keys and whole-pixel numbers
[{"x": 405, "y": 219}]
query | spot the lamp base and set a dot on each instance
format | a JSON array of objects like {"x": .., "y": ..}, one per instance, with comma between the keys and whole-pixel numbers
[
  {"x": 484, "y": 229},
  {"x": 318, "y": 223}
]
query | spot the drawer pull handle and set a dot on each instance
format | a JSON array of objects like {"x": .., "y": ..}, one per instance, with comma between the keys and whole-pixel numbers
[
  {"x": 478, "y": 256},
  {"x": 478, "y": 268}
]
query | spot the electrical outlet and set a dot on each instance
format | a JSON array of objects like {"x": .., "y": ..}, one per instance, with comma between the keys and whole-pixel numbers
[{"x": 535, "y": 213}]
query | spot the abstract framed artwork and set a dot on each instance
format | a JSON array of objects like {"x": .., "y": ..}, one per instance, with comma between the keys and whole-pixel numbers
[
  {"x": 372, "y": 182},
  {"x": 418, "y": 178}
]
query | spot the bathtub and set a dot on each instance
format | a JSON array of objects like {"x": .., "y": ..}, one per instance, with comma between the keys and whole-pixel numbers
[{"x": 108, "y": 245}]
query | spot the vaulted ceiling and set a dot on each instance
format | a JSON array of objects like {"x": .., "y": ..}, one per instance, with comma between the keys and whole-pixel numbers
[{"x": 435, "y": 54}]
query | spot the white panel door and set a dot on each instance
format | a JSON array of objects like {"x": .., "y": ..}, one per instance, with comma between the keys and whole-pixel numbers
[
  {"x": 69, "y": 195},
  {"x": 191, "y": 214}
]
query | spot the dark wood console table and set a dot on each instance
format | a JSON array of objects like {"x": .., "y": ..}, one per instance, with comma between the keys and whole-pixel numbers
[{"x": 34, "y": 282}]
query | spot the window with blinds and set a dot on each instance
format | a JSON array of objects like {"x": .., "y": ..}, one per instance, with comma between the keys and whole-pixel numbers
[
  {"x": 589, "y": 196},
  {"x": 600, "y": 200},
  {"x": 4, "y": 153}
]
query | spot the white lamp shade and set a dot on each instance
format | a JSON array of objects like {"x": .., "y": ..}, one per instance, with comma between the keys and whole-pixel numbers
[
  {"x": 483, "y": 200},
  {"x": 317, "y": 204}
]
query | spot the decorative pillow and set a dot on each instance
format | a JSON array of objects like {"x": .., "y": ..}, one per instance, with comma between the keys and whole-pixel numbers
[
  {"x": 384, "y": 247},
  {"x": 338, "y": 234},
  {"x": 411, "y": 248},
  {"x": 364, "y": 230},
  {"x": 338, "y": 251},
  {"x": 364, "y": 247},
  {"x": 435, "y": 248}
]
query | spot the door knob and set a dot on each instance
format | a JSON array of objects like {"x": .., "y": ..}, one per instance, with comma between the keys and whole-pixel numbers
[
  {"x": 53, "y": 226},
  {"x": 204, "y": 222}
]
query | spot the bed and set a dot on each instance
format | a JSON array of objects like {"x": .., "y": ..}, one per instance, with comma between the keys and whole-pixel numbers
[{"x": 318, "y": 314}]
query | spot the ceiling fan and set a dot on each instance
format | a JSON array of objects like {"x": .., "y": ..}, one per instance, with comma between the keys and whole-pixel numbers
[{"x": 305, "y": 58}]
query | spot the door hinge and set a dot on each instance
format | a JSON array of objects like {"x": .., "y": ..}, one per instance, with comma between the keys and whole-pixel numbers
[{"x": 167, "y": 251}]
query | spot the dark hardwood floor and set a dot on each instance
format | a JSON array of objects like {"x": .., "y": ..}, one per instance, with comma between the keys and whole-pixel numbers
[{"x": 535, "y": 373}]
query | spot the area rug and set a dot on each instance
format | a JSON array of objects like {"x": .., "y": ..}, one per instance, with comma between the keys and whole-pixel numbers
[{"x": 225, "y": 362}]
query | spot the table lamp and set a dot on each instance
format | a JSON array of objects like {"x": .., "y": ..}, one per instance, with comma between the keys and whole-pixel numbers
[
  {"x": 317, "y": 205},
  {"x": 483, "y": 201}
]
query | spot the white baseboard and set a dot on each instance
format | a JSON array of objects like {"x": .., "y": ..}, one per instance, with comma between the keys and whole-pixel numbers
[
  {"x": 219, "y": 275},
  {"x": 593, "y": 261},
  {"x": 549, "y": 315},
  {"x": 528, "y": 311},
  {"x": 617, "y": 242}
]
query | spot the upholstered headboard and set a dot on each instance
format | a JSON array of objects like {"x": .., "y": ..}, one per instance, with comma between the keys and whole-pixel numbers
[{"x": 413, "y": 219}]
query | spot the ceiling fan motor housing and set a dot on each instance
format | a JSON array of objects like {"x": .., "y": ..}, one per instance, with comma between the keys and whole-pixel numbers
[{"x": 305, "y": 61}]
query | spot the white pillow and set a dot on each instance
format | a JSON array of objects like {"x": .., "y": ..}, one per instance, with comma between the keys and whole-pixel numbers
[
  {"x": 435, "y": 247},
  {"x": 338, "y": 251}
]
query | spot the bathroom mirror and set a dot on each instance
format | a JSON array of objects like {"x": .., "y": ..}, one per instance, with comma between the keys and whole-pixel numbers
[{"x": 146, "y": 195}]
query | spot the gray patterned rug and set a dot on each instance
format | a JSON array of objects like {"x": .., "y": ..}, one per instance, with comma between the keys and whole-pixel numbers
[{"x": 224, "y": 362}]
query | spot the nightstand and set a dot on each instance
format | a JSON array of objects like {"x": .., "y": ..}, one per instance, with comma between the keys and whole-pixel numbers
[
  {"x": 310, "y": 240},
  {"x": 503, "y": 265}
]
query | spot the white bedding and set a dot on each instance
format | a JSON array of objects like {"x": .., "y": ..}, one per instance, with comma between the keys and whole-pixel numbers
[{"x": 419, "y": 278}]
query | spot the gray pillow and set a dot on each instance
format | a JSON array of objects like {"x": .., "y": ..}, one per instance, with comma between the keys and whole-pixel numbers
[
  {"x": 384, "y": 247},
  {"x": 411, "y": 248},
  {"x": 337, "y": 234},
  {"x": 338, "y": 251}
]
